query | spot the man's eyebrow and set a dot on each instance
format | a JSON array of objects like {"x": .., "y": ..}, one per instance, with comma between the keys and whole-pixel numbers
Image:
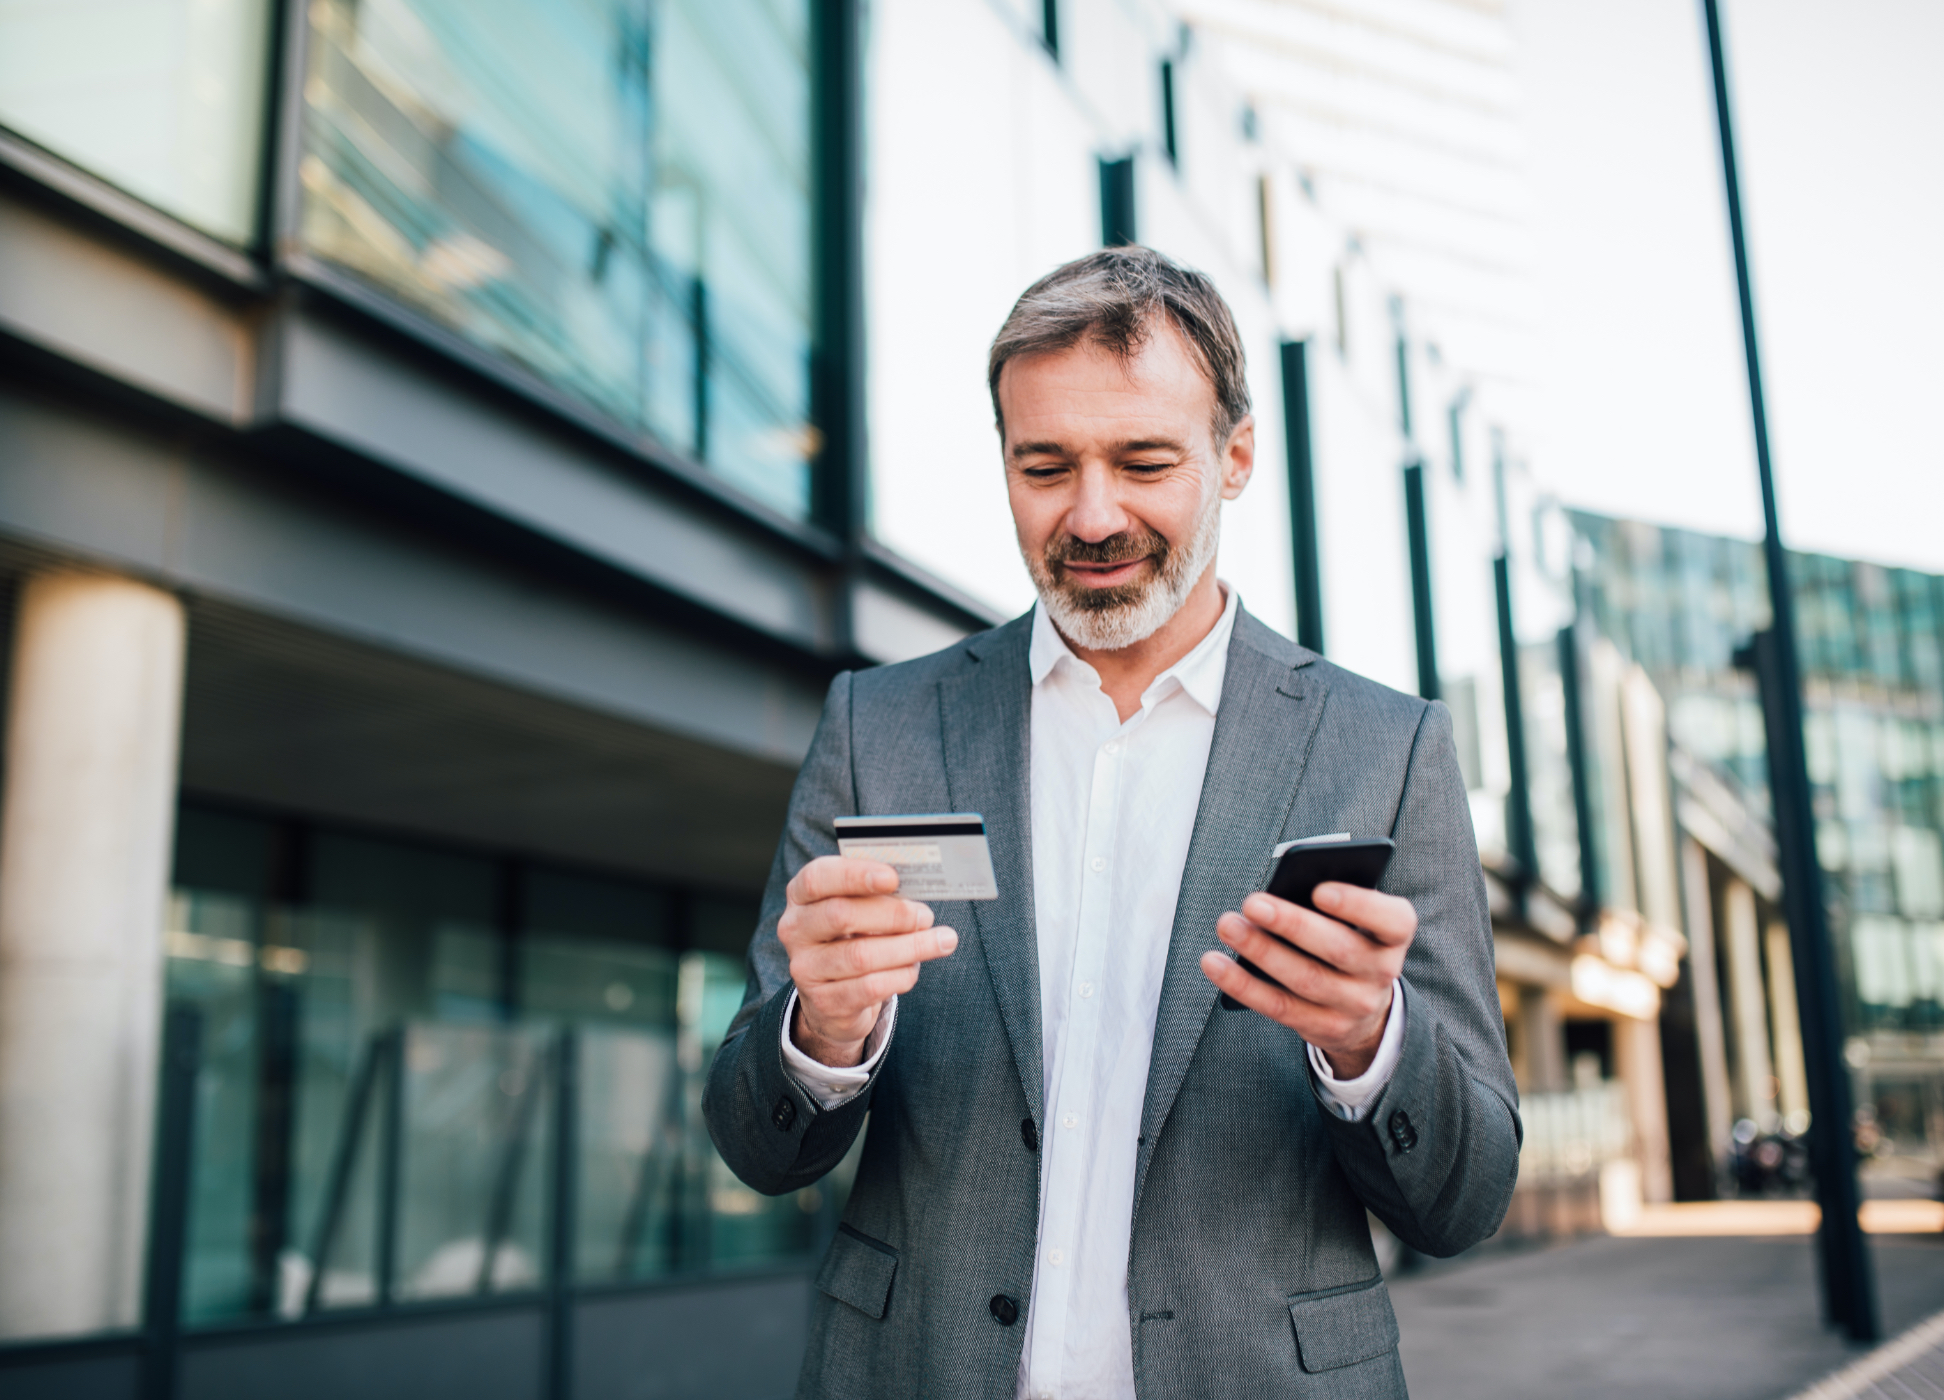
[{"x": 1124, "y": 448}]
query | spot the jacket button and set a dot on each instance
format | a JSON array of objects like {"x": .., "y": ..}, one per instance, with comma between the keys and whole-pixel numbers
[
  {"x": 1029, "y": 1134},
  {"x": 784, "y": 1114},
  {"x": 1401, "y": 1131},
  {"x": 1004, "y": 1310}
]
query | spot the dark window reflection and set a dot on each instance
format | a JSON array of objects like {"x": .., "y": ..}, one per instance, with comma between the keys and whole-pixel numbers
[{"x": 614, "y": 193}]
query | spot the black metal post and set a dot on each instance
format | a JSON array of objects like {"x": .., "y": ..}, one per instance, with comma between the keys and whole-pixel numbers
[
  {"x": 391, "y": 1161},
  {"x": 841, "y": 480},
  {"x": 1117, "y": 202},
  {"x": 168, "y": 1241},
  {"x": 1303, "y": 547},
  {"x": 275, "y": 1132},
  {"x": 509, "y": 914},
  {"x": 1050, "y": 27},
  {"x": 1849, "y": 1287},
  {"x": 1418, "y": 526},
  {"x": 1519, "y": 841},
  {"x": 1572, "y": 677},
  {"x": 1849, "y": 1284},
  {"x": 1168, "y": 141},
  {"x": 699, "y": 328},
  {"x": 279, "y": 1006},
  {"x": 566, "y": 1183}
]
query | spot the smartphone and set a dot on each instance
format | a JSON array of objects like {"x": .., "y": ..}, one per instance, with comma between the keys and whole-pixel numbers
[{"x": 1303, "y": 865}]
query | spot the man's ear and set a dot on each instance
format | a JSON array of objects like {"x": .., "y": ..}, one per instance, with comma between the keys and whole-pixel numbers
[{"x": 1238, "y": 458}]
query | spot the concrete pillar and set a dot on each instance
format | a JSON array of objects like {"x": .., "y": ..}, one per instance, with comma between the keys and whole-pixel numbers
[
  {"x": 1637, "y": 1058},
  {"x": 1544, "y": 1040},
  {"x": 86, "y": 824},
  {"x": 1791, "y": 1069},
  {"x": 1712, "y": 1041},
  {"x": 1754, "y": 1068}
]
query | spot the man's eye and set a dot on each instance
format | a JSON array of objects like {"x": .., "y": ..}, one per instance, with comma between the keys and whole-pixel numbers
[
  {"x": 1148, "y": 468},
  {"x": 1041, "y": 473}
]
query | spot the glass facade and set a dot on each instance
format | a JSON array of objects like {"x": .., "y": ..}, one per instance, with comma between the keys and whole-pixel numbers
[
  {"x": 164, "y": 98},
  {"x": 377, "y": 1113},
  {"x": 1872, "y": 649},
  {"x": 614, "y": 194}
]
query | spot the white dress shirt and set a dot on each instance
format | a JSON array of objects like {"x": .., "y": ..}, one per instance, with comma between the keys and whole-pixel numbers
[{"x": 1113, "y": 808}]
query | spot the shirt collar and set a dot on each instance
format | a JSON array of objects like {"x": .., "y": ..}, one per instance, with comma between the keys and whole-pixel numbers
[{"x": 1200, "y": 672}]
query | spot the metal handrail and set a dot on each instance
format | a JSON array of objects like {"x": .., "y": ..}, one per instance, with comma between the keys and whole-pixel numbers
[
  {"x": 499, "y": 1211},
  {"x": 378, "y": 1049}
]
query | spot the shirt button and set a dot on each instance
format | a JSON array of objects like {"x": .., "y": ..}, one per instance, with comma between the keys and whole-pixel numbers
[
  {"x": 1070, "y": 1121},
  {"x": 1086, "y": 989},
  {"x": 1113, "y": 748},
  {"x": 1056, "y": 1257},
  {"x": 1099, "y": 864}
]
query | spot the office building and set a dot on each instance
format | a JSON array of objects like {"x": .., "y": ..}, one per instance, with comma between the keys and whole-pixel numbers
[{"x": 1679, "y": 605}]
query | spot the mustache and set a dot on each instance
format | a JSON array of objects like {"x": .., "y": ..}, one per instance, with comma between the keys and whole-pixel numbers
[{"x": 1123, "y": 548}]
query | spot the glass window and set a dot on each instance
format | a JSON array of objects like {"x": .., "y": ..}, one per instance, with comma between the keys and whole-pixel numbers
[
  {"x": 164, "y": 98},
  {"x": 613, "y": 193},
  {"x": 338, "y": 975}
]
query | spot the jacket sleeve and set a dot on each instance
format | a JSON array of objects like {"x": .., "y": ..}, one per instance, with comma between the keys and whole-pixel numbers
[
  {"x": 770, "y": 1131},
  {"x": 1437, "y": 1156}
]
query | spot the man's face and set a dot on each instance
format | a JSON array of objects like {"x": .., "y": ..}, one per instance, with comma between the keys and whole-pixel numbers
[{"x": 1116, "y": 482}]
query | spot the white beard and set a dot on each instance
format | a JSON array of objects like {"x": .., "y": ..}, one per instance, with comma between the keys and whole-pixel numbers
[{"x": 1124, "y": 624}]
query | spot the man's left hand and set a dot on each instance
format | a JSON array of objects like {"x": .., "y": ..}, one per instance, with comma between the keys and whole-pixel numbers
[{"x": 1337, "y": 969}]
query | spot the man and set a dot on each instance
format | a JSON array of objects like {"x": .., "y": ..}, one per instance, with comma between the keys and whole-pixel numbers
[{"x": 1081, "y": 1178}]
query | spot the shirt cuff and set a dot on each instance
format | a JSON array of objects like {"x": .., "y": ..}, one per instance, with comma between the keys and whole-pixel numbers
[
  {"x": 829, "y": 1086},
  {"x": 1350, "y": 1099}
]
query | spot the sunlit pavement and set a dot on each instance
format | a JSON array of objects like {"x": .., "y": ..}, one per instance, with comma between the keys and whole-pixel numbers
[{"x": 1710, "y": 1318}]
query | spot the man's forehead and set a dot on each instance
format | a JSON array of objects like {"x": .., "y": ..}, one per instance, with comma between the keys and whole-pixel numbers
[{"x": 1091, "y": 388}]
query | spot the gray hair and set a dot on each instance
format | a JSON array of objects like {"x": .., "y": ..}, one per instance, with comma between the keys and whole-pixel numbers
[{"x": 1113, "y": 298}]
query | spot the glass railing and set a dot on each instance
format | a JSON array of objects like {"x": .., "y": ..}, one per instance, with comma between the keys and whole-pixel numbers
[
  {"x": 367, "y": 1127},
  {"x": 1569, "y": 1136},
  {"x": 479, "y": 1161}
]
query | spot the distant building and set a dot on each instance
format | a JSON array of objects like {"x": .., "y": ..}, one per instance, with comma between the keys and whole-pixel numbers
[{"x": 1678, "y": 604}]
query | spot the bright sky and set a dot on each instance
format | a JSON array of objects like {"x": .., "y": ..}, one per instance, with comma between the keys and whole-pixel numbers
[{"x": 1839, "y": 115}]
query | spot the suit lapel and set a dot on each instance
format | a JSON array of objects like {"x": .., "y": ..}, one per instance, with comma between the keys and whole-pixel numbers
[
  {"x": 1263, "y": 730},
  {"x": 986, "y": 714}
]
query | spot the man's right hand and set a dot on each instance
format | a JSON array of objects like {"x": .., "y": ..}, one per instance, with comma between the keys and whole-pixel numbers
[{"x": 853, "y": 945}]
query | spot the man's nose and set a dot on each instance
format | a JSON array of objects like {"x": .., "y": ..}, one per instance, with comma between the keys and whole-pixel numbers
[{"x": 1096, "y": 512}]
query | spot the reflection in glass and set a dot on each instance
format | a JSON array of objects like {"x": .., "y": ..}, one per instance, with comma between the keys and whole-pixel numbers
[
  {"x": 164, "y": 98},
  {"x": 613, "y": 194},
  {"x": 379, "y": 1112}
]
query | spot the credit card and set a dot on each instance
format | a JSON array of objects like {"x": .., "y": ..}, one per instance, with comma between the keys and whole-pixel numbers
[{"x": 939, "y": 856}]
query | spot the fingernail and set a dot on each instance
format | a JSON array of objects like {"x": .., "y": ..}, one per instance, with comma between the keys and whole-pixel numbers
[
  {"x": 886, "y": 880},
  {"x": 1329, "y": 896},
  {"x": 1226, "y": 931},
  {"x": 947, "y": 939},
  {"x": 1258, "y": 907}
]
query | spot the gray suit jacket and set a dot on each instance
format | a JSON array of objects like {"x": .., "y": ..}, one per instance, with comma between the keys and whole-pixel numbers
[{"x": 1250, "y": 1270}]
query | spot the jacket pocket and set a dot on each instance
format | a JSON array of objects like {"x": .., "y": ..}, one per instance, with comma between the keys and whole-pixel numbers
[
  {"x": 858, "y": 1270},
  {"x": 1342, "y": 1326}
]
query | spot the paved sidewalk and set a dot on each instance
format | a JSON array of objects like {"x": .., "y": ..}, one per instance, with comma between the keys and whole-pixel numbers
[
  {"x": 1910, "y": 1367},
  {"x": 1686, "y": 1319}
]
